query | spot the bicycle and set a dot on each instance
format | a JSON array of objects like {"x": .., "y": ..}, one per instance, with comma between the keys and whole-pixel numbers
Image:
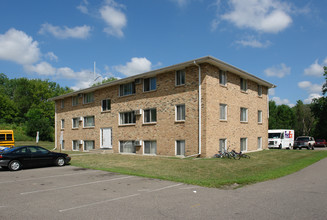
[{"x": 240, "y": 155}]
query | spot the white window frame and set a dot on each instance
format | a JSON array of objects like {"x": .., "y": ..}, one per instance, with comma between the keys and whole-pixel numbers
[
  {"x": 74, "y": 100},
  {"x": 84, "y": 141},
  {"x": 181, "y": 112},
  {"x": 133, "y": 145},
  {"x": 75, "y": 141},
  {"x": 149, "y": 86},
  {"x": 62, "y": 125},
  {"x": 260, "y": 90},
  {"x": 151, "y": 143},
  {"x": 73, "y": 122},
  {"x": 259, "y": 147},
  {"x": 243, "y": 84},
  {"x": 131, "y": 86},
  {"x": 222, "y": 78},
  {"x": 90, "y": 116},
  {"x": 246, "y": 144},
  {"x": 222, "y": 141},
  {"x": 176, "y": 145},
  {"x": 150, "y": 116},
  {"x": 225, "y": 111},
  {"x": 106, "y": 100},
  {"x": 88, "y": 98},
  {"x": 179, "y": 76},
  {"x": 259, "y": 116},
  {"x": 246, "y": 114}
]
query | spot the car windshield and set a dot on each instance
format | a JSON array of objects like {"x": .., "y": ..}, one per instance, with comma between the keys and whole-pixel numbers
[
  {"x": 302, "y": 139},
  {"x": 274, "y": 135}
]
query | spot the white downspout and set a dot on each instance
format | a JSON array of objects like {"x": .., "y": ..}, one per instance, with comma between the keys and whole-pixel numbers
[
  {"x": 200, "y": 106},
  {"x": 55, "y": 126}
]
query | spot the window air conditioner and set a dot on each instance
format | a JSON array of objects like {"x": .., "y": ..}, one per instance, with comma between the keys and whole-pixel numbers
[
  {"x": 80, "y": 142},
  {"x": 80, "y": 95},
  {"x": 138, "y": 143},
  {"x": 80, "y": 118},
  {"x": 138, "y": 112}
]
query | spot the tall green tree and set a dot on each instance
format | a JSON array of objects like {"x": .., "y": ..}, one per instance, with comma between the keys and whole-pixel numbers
[
  {"x": 304, "y": 120},
  {"x": 319, "y": 110},
  {"x": 280, "y": 116}
]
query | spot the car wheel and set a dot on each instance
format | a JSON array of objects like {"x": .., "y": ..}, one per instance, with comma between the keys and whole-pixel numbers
[
  {"x": 300, "y": 148},
  {"x": 60, "y": 161},
  {"x": 14, "y": 165},
  {"x": 280, "y": 146}
]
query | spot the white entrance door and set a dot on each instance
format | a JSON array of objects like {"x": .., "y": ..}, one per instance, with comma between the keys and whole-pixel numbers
[{"x": 105, "y": 137}]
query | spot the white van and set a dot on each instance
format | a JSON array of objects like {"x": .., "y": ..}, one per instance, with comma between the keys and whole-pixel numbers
[{"x": 280, "y": 138}]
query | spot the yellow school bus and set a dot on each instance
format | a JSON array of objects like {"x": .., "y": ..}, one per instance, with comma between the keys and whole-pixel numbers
[{"x": 7, "y": 139}]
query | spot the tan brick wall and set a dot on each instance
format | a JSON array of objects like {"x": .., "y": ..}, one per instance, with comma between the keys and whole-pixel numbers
[
  {"x": 166, "y": 131},
  {"x": 232, "y": 129}
]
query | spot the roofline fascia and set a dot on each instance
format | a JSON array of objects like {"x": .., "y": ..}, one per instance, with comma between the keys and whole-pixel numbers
[{"x": 212, "y": 60}]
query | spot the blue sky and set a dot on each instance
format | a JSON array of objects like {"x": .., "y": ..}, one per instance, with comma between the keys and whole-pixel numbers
[{"x": 283, "y": 42}]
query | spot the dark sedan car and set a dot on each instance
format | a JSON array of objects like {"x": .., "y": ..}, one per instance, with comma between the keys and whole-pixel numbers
[{"x": 31, "y": 156}]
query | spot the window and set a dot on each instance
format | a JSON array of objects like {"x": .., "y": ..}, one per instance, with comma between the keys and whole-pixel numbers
[
  {"x": 259, "y": 90},
  {"x": 127, "y": 147},
  {"x": 127, "y": 118},
  {"x": 127, "y": 89},
  {"x": 89, "y": 121},
  {"x": 88, "y": 98},
  {"x": 75, "y": 122},
  {"x": 89, "y": 145},
  {"x": 223, "y": 112},
  {"x": 150, "y": 115},
  {"x": 180, "y": 77},
  {"x": 62, "y": 123},
  {"x": 62, "y": 105},
  {"x": 150, "y": 147},
  {"x": 9, "y": 137},
  {"x": 2, "y": 137},
  {"x": 244, "y": 85},
  {"x": 222, "y": 78},
  {"x": 222, "y": 145},
  {"x": 259, "y": 143},
  {"x": 62, "y": 145},
  {"x": 75, "y": 100},
  {"x": 244, "y": 144},
  {"x": 244, "y": 114},
  {"x": 180, "y": 112},
  {"x": 259, "y": 116},
  {"x": 106, "y": 105},
  {"x": 180, "y": 148},
  {"x": 75, "y": 145},
  {"x": 149, "y": 84}
]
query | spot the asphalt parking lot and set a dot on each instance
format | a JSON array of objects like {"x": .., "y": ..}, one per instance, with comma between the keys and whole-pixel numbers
[{"x": 75, "y": 193}]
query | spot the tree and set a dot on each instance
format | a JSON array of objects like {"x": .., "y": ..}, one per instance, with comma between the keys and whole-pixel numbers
[
  {"x": 319, "y": 110},
  {"x": 304, "y": 120},
  {"x": 280, "y": 116},
  {"x": 110, "y": 79}
]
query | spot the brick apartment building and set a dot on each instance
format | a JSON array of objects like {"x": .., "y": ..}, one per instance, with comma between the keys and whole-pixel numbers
[{"x": 192, "y": 108}]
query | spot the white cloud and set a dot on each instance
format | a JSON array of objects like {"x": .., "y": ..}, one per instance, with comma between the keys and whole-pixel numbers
[
  {"x": 279, "y": 71},
  {"x": 115, "y": 19},
  {"x": 135, "y": 66},
  {"x": 251, "y": 42},
  {"x": 316, "y": 69},
  {"x": 181, "y": 3},
  {"x": 83, "y": 7},
  {"x": 311, "y": 96},
  {"x": 80, "y": 32},
  {"x": 18, "y": 47},
  {"x": 271, "y": 91},
  {"x": 42, "y": 68},
  {"x": 51, "y": 56},
  {"x": 269, "y": 16},
  {"x": 280, "y": 101}
]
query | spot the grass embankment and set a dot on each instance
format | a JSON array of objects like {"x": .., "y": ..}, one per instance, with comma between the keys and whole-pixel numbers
[{"x": 264, "y": 165}]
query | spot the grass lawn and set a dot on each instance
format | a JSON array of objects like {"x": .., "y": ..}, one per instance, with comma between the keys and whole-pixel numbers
[{"x": 213, "y": 172}]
